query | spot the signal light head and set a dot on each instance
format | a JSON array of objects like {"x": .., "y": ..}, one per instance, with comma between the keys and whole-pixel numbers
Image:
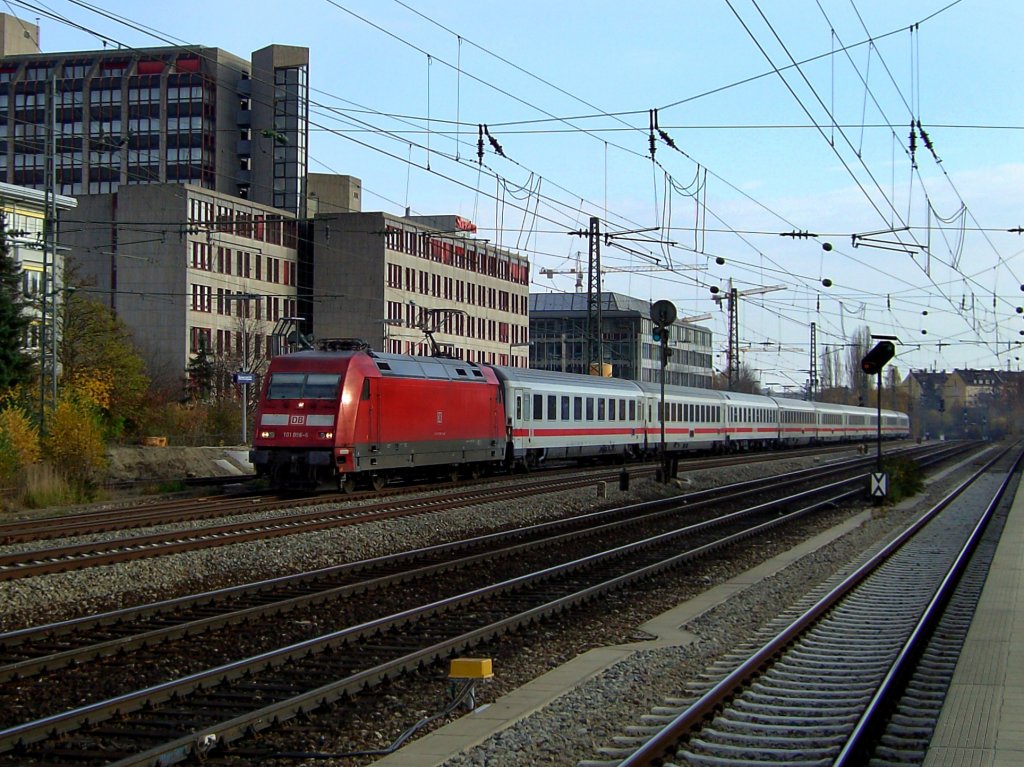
[{"x": 875, "y": 359}]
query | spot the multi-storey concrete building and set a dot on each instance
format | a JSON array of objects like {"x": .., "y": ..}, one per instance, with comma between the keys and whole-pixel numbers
[
  {"x": 199, "y": 223},
  {"x": 399, "y": 282},
  {"x": 186, "y": 114},
  {"x": 558, "y": 337},
  {"x": 186, "y": 267},
  {"x": 42, "y": 264}
]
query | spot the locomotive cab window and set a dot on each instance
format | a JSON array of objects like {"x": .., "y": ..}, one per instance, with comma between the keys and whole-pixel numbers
[
  {"x": 303, "y": 386},
  {"x": 321, "y": 386},
  {"x": 285, "y": 386}
]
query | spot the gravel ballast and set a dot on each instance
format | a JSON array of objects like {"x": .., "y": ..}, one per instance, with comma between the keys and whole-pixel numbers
[{"x": 565, "y": 732}]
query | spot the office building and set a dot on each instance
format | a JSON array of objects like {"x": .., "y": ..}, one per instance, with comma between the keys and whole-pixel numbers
[
  {"x": 558, "y": 339},
  {"x": 187, "y": 268},
  {"x": 41, "y": 263},
  {"x": 419, "y": 285},
  {"x": 176, "y": 114}
]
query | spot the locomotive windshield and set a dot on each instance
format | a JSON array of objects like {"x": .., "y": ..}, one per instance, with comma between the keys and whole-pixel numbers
[{"x": 303, "y": 386}]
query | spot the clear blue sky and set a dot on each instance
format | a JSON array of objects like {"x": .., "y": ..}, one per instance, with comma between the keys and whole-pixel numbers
[{"x": 565, "y": 88}]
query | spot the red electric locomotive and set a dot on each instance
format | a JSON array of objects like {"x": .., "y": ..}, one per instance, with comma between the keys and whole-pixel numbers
[{"x": 346, "y": 416}]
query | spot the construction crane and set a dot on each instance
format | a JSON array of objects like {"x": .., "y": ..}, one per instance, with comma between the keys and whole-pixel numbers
[{"x": 550, "y": 273}]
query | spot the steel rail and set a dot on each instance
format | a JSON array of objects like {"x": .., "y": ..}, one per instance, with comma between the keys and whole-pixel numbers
[
  {"x": 30, "y": 563},
  {"x": 148, "y": 512},
  {"x": 661, "y": 747},
  {"x": 878, "y": 709},
  {"x": 662, "y": 551},
  {"x": 172, "y": 618}
]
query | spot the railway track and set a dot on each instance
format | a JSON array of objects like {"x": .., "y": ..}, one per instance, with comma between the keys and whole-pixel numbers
[
  {"x": 289, "y": 680},
  {"x": 29, "y": 651},
  {"x": 25, "y": 562},
  {"x": 822, "y": 688},
  {"x": 150, "y": 512}
]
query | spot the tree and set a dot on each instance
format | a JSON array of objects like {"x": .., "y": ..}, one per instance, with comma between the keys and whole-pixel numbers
[
  {"x": 200, "y": 373},
  {"x": 858, "y": 346},
  {"x": 97, "y": 355},
  {"x": 16, "y": 367}
]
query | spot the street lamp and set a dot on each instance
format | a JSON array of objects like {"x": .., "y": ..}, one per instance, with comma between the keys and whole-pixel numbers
[{"x": 244, "y": 377}]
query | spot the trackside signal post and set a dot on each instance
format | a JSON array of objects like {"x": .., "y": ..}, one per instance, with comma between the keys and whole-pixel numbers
[
  {"x": 663, "y": 314},
  {"x": 872, "y": 364}
]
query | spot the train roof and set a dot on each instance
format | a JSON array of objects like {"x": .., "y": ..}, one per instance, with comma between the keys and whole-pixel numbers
[
  {"x": 654, "y": 389},
  {"x": 435, "y": 368},
  {"x": 788, "y": 403},
  {"x": 529, "y": 377},
  {"x": 389, "y": 365}
]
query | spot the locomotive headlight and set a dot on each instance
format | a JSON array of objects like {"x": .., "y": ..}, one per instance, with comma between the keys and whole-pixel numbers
[
  {"x": 327, "y": 435},
  {"x": 266, "y": 435}
]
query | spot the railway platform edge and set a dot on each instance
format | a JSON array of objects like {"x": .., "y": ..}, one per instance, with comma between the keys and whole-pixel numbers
[{"x": 982, "y": 719}]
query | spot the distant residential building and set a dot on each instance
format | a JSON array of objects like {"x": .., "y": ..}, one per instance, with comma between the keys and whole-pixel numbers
[
  {"x": 971, "y": 388},
  {"x": 24, "y": 214},
  {"x": 926, "y": 388},
  {"x": 558, "y": 338}
]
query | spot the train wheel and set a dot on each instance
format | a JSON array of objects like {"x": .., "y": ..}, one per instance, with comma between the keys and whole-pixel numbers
[
  {"x": 475, "y": 472},
  {"x": 347, "y": 485},
  {"x": 377, "y": 482}
]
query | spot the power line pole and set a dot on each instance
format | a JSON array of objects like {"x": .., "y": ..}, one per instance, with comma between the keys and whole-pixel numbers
[
  {"x": 733, "y": 354},
  {"x": 595, "y": 350},
  {"x": 812, "y": 387},
  {"x": 49, "y": 249}
]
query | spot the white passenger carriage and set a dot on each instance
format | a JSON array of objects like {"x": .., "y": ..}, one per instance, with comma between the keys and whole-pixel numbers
[
  {"x": 751, "y": 421},
  {"x": 798, "y": 421},
  {"x": 553, "y": 415},
  {"x": 694, "y": 418},
  {"x": 838, "y": 423}
]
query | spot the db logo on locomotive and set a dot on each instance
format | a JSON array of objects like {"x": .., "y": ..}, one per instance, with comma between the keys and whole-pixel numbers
[{"x": 297, "y": 420}]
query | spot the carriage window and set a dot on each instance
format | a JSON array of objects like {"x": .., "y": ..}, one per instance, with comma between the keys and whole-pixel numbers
[
  {"x": 611, "y": 410},
  {"x": 590, "y": 408},
  {"x": 538, "y": 406},
  {"x": 600, "y": 409},
  {"x": 577, "y": 408},
  {"x": 552, "y": 407},
  {"x": 632, "y": 410},
  {"x": 622, "y": 410},
  {"x": 565, "y": 408},
  {"x": 519, "y": 408}
]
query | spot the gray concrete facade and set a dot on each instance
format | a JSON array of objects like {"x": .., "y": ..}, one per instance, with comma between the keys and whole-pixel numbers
[
  {"x": 177, "y": 262},
  {"x": 387, "y": 279}
]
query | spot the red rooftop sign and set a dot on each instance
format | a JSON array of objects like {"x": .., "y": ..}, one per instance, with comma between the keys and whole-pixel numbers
[{"x": 464, "y": 224}]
